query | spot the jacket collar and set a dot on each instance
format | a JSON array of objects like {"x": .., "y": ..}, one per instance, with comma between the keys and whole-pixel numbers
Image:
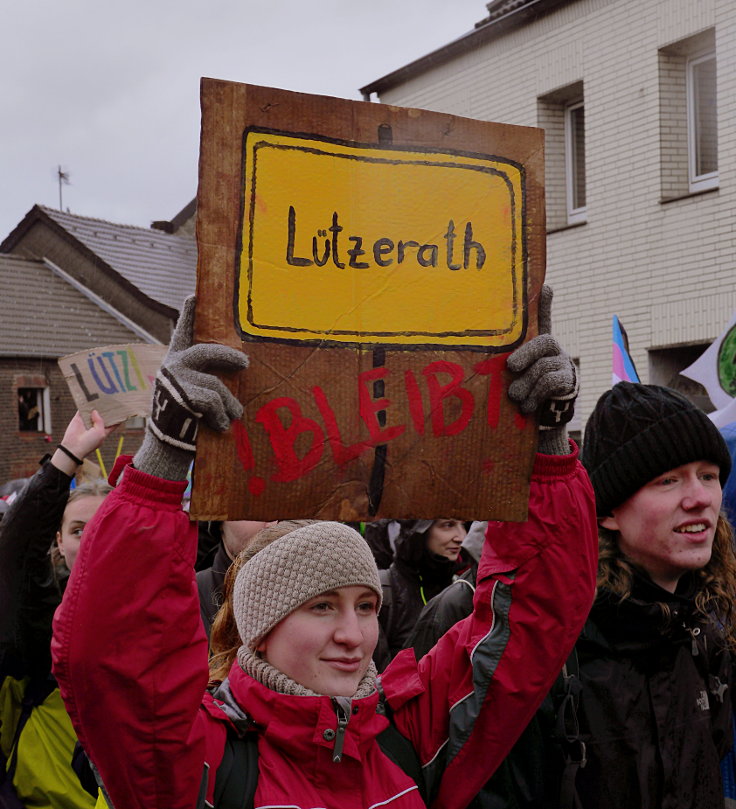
[
  {"x": 302, "y": 725},
  {"x": 638, "y": 623}
]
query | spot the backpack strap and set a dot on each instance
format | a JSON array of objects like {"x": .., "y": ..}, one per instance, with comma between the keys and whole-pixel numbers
[
  {"x": 567, "y": 730},
  {"x": 236, "y": 778},
  {"x": 401, "y": 751},
  {"x": 398, "y": 748}
]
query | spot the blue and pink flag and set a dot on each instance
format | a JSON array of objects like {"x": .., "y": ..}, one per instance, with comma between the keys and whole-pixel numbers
[{"x": 624, "y": 369}]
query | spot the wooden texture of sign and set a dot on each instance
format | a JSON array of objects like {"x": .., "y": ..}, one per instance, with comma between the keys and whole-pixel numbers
[{"x": 377, "y": 264}]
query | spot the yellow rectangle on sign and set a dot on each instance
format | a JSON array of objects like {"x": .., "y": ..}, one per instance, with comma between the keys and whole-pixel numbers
[{"x": 376, "y": 245}]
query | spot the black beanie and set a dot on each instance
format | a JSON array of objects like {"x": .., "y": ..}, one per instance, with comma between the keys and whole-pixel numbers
[{"x": 636, "y": 432}]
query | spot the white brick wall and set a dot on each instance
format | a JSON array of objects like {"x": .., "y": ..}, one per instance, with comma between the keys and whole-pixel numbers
[{"x": 666, "y": 269}]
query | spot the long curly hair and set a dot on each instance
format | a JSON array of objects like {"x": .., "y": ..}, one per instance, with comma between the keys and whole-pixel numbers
[
  {"x": 716, "y": 593},
  {"x": 224, "y": 637}
]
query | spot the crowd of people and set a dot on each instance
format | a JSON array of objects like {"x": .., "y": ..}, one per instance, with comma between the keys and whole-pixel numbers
[{"x": 580, "y": 659}]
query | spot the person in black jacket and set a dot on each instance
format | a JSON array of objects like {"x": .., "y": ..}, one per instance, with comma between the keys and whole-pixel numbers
[
  {"x": 453, "y": 603},
  {"x": 653, "y": 661},
  {"x": 36, "y": 736},
  {"x": 654, "y": 656},
  {"x": 426, "y": 555}
]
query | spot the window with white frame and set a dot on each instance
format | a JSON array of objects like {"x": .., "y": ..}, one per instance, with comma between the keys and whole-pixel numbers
[
  {"x": 688, "y": 116},
  {"x": 702, "y": 122},
  {"x": 575, "y": 161},
  {"x": 561, "y": 113},
  {"x": 34, "y": 410}
]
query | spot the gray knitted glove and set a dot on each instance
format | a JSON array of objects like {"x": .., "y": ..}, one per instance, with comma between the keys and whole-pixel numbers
[
  {"x": 186, "y": 391},
  {"x": 548, "y": 385}
]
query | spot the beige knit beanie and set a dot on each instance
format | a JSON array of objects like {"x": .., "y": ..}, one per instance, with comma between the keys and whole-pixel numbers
[{"x": 298, "y": 566}]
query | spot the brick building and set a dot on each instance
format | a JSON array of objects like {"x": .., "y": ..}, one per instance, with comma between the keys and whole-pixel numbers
[
  {"x": 70, "y": 283},
  {"x": 637, "y": 100}
]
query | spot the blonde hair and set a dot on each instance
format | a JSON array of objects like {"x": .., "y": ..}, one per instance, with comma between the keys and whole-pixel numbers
[
  {"x": 715, "y": 598},
  {"x": 224, "y": 638},
  {"x": 98, "y": 487}
]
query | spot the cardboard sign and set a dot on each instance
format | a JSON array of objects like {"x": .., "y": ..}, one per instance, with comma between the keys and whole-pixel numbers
[
  {"x": 377, "y": 264},
  {"x": 115, "y": 380}
]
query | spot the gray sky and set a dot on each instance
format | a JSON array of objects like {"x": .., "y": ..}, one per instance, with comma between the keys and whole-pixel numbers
[{"x": 110, "y": 91}]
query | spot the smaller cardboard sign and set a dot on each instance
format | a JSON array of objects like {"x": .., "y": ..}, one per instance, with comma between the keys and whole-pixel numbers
[{"x": 115, "y": 380}]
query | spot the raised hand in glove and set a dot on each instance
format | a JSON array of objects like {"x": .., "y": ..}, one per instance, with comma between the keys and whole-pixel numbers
[
  {"x": 548, "y": 382},
  {"x": 186, "y": 391}
]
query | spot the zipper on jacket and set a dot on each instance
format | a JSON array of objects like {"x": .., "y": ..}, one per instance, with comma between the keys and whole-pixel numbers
[{"x": 342, "y": 709}]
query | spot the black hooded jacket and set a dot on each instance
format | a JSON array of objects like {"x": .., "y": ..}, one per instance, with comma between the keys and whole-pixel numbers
[
  {"x": 655, "y": 704},
  {"x": 415, "y": 576},
  {"x": 654, "y": 707},
  {"x": 29, "y": 594}
]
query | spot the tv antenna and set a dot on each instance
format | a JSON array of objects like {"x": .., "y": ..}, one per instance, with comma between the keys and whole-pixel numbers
[{"x": 63, "y": 180}]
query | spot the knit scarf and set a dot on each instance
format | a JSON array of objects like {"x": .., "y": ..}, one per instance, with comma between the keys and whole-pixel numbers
[{"x": 264, "y": 673}]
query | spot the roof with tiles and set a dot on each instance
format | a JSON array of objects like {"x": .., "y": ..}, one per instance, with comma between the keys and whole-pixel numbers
[
  {"x": 499, "y": 8},
  {"x": 502, "y": 16},
  {"x": 59, "y": 320},
  {"x": 161, "y": 265}
]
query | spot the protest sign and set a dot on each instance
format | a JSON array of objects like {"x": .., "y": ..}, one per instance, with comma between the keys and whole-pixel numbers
[
  {"x": 377, "y": 264},
  {"x": 115, "y": 380}
]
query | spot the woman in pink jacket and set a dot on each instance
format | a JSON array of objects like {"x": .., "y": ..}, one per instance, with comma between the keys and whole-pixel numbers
[{"x": 131, "y": 654}]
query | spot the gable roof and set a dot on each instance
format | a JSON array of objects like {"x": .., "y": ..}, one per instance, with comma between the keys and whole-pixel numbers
[
  {"x": 45, "y": 316},
  {"x": 161, "y": 265},
  {"x": 503, "y": 16}
]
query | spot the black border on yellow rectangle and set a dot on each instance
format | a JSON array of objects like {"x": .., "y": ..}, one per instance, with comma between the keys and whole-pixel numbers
[{"x": 519, "y": 306}]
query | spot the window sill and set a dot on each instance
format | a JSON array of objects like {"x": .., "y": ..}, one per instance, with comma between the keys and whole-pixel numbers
[
  {"x": 569, "y": 226},
  {"x": 700, "y": 193}
]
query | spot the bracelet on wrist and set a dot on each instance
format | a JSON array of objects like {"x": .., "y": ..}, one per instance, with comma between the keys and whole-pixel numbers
[{"x": 69, "y": 454}]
